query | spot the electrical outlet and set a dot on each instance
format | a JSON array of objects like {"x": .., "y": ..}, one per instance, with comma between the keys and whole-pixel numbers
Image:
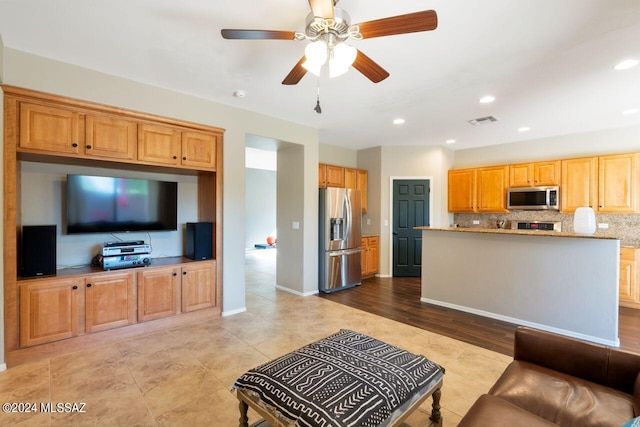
[
  {"x": 368, "y": 221},
  {"x": 476, "y": 222},
  {"x": 603, "y": 225},
  {"x": 295, "y": 225}
]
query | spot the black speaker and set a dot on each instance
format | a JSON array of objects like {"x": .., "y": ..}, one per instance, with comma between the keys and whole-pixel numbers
[
  {"x": 199, "y": 240},
  {"x": 38, "y": 250}
]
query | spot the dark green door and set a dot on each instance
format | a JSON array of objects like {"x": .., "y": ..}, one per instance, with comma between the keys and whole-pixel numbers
[{"x": 410, "y": 209}]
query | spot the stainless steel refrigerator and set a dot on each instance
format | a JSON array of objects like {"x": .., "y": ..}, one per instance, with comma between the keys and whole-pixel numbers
[{"x": 340, "y": 239}]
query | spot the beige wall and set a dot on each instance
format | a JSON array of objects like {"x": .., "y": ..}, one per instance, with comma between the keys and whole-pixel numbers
[
  {"x": 38, "y": 73},
  {"x": 371, "y": 160},
  {"x": 609, "y": 141},
  {"x": 340, "y": 156},
  {"x": 412, "y": 162}
]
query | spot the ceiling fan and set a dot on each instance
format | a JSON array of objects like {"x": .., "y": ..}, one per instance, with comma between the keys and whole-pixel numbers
[{"x": 328, "y": 27}]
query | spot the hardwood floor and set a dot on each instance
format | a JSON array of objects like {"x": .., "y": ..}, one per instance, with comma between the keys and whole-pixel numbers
[{"x": 398, "y": 298}]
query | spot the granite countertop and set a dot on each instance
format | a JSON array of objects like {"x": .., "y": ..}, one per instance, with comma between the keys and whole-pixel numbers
[{"x": 518, "y": 232}]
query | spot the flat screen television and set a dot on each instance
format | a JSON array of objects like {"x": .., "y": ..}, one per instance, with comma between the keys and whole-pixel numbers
[{"x": 101, "y": 204}]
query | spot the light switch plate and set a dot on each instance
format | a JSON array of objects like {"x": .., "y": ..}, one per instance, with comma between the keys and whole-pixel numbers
[
  {"x": 476, "y": 222},
  {"x": 295, "y": 225},
  {"x": 603, "y": 225}
]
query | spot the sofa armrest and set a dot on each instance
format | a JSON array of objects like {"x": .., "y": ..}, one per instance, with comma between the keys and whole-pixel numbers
[{"x": 561, "y": 353}]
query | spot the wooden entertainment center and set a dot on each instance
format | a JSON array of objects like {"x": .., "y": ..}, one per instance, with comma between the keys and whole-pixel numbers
[{"x": 77, "y": 307}]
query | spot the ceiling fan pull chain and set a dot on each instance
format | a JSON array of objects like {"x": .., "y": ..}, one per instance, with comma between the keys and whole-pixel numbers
[{"x": 317, "y": 108}]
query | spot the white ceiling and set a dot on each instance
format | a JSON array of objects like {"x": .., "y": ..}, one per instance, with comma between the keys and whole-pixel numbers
[{"x": 549, "y": 63}]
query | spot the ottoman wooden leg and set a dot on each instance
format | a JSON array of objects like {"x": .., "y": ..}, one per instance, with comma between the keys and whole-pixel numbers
[
  {"x": 244, "y": 419},
  {"x": 436, "y": 416}
]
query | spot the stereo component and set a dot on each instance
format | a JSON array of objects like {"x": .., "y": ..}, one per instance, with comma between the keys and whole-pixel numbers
[
  {"x": 125, "y": 261},
  {"x": 125, "y": 249}
]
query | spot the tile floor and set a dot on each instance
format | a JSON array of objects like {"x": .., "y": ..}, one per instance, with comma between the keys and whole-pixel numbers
[{"x": 183, "y": 376}]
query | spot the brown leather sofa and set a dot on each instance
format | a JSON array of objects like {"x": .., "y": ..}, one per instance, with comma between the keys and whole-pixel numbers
[{"x": 557, "y": 380}]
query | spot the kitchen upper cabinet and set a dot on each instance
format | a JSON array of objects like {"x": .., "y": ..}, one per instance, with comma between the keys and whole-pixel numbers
[
  {"x": 350, "y": 178},
  {"x": 492, "y": 184},
  {"x": 51, "y": 310},
  {"x": 335, "y": 176},
  {"x": 110, "y": 137},
  {"x": 158, "y": 294},
  {"x": 618, "y": 183},
  {"x": 110, "y": 301},
  {"x": 322, "y": 175},
  {"x": 579, "y": 183},
  {"x": 462, "y": 190},
  {"x": 50, "y": 129},
  {"x": 629, "y": 294},
  {"x": 198, "y": 286},
  {"x": 362, "y": 184},
  {"x": 535, "y": 174}
]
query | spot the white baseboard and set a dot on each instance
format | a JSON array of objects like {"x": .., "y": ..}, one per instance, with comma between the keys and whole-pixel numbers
[
  {"x": 300, "y": 294},
  {"x": 614, "y": 343},
  {"x": 384, "y": 276},
  {"x": 232, "y": 312},
  {"x": 3, "y": 367}
]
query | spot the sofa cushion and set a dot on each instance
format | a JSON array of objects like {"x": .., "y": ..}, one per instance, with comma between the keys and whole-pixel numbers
[
  {"x": 561, "y": 398},
  {"x": 491, "y": 411}
]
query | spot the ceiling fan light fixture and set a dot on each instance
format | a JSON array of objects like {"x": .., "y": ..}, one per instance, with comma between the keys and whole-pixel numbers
[{"x": 316, "y": 55}]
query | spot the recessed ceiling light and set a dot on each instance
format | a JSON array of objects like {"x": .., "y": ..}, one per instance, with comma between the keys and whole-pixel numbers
[
  {"x": 450, "y": 141},
  {"x": 398, "y": 121},
  {"x": 524, "y": 129},
  {"x": 487, "y": 99},
  {"x": 239, "y": 93},
  {"x": 631, "y": 111},
  {"x": 626, "y": 64}
]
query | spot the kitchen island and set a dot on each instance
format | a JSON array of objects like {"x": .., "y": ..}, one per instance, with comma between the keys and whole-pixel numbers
[{"x": 560, "y": 282}]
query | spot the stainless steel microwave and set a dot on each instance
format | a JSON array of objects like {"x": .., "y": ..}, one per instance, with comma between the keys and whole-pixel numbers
[{"x": 534, "y": 198}]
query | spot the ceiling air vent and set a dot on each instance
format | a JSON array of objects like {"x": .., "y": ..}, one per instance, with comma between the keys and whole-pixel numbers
[{"x": 483, "y": 120}]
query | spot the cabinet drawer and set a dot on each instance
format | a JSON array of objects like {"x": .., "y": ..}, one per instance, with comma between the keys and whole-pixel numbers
[{"x": 628, "y": 254}]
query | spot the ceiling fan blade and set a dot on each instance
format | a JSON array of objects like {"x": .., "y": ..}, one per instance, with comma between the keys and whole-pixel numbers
[
  {"x": 322, "y": 8},
  {"x": 402, "y": 24},
  {"x": 258, "y": 34},
  {"x": 369, "y": 68},
  {"x": 296, "y": 73}
]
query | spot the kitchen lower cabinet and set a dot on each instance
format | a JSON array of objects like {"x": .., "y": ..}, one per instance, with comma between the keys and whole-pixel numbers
[
  {"x": 110, "y": 301},
  {"x": 51, "y": 310},
  {"x": 198, "y": 286},
  {"x": 629, "y": 294},
  {"x": 158, "y": 295},
  {"x": 370, "y": 255}
]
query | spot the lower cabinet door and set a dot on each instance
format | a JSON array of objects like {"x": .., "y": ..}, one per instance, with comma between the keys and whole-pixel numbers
[
  {"x": 158, "y": 293},
  {"x": 198, "y": 286},
  {"x": 51, "y": 310},
  {"x": 110, "y": 301}
]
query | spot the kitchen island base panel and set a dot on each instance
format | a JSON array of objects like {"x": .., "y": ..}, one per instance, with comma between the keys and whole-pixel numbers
[{"x": 566, "y": 285}]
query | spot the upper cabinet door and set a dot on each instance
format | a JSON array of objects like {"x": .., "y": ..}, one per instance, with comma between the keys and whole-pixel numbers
[
  {"x": 335, "y": 176},
  {"x": 579, "y": 183},
  {"x": 199, "y": 150},
  {"x": 492, "y": 189},
  {"x": 618, "y": 183},
  {"x": 462, "y": 190},
  {"x": 50, "y": 129},
  {"x": 158, "y": 144},
  {"x": 111, "y": 137},
  {"x": 521, "y": 175},
  {"x": 322, "y": 175},
  {"x": 546, "y": 173}
]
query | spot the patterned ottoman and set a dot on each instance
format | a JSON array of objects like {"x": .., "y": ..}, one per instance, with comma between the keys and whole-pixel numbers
[{"x": 346, "y": 379}]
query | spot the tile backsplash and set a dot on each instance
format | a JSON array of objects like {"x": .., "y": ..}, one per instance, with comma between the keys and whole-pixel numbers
[{"x": 626, "y": 227}]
